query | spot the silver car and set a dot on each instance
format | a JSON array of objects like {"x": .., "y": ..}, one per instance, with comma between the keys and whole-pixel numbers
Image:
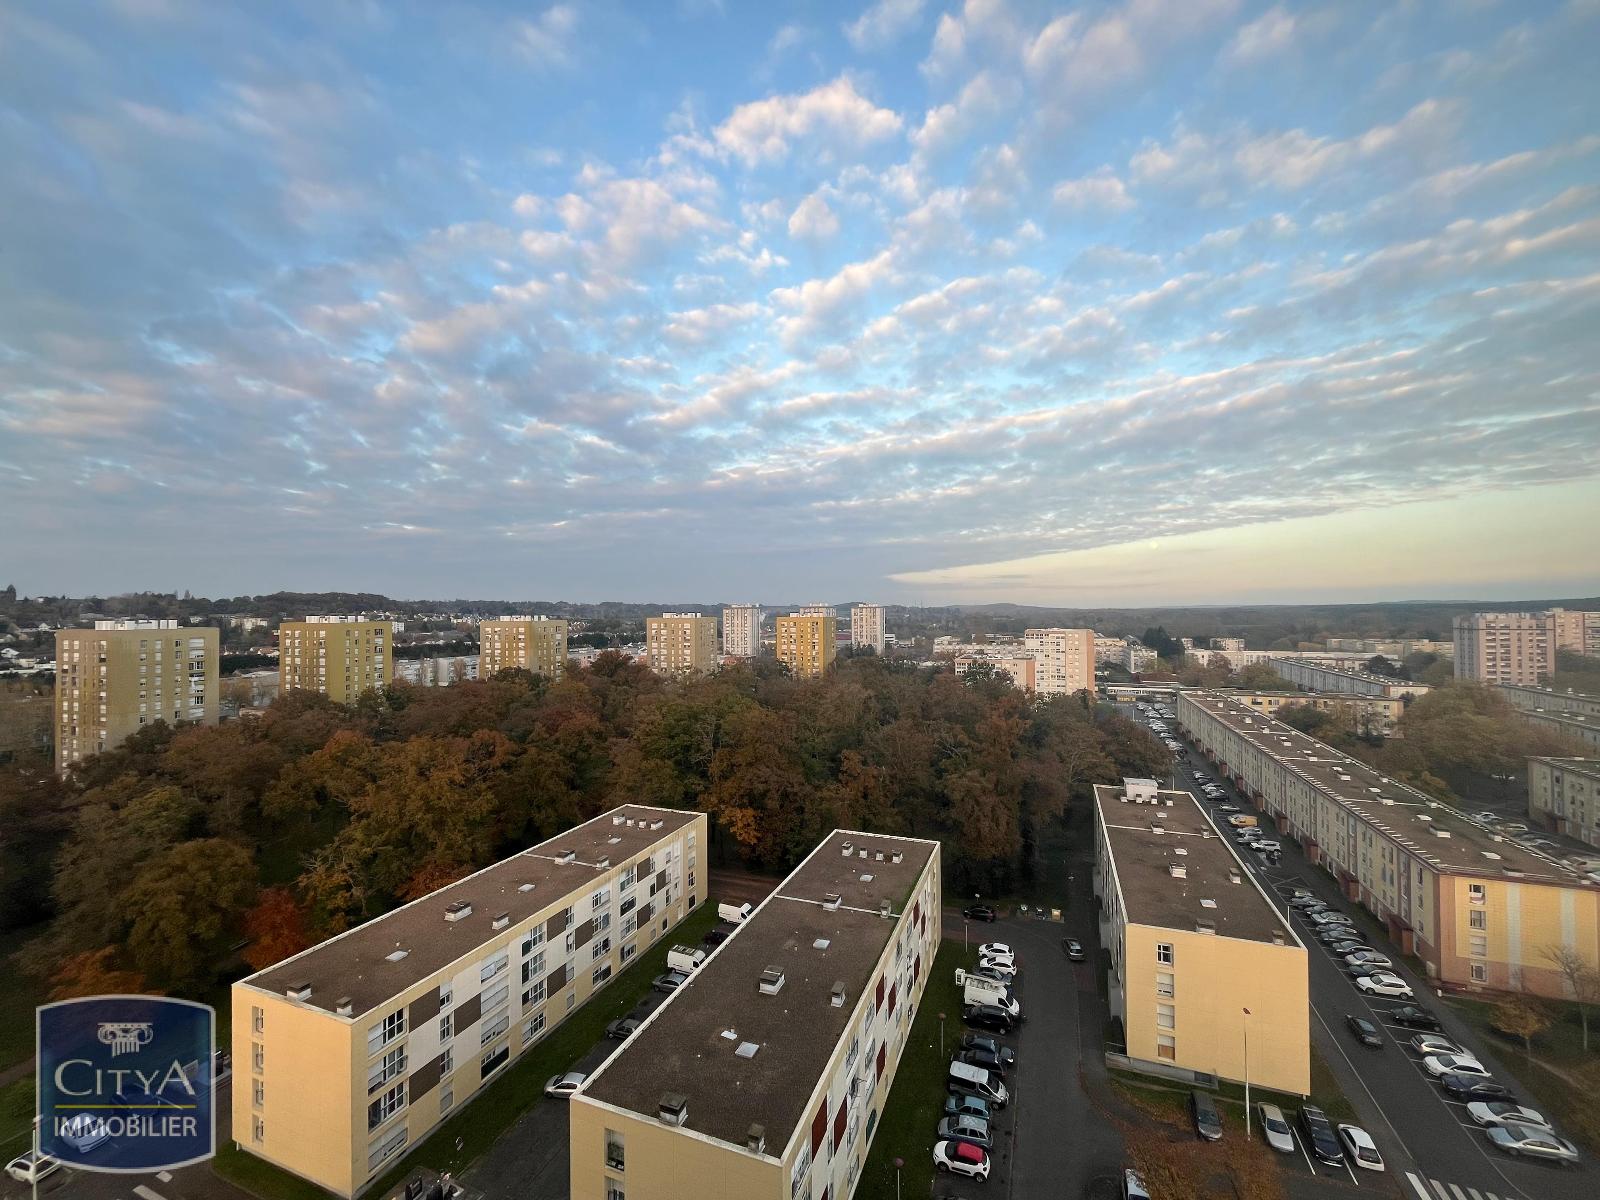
[
  {"x": 1530, "y": 1141},
  {"x": 1504, "y": 1112},
  {"x": 1275, "y": 1129}
]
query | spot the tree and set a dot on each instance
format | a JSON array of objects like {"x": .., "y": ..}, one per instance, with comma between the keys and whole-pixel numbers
[
  {"x": 94, "y": 973},
  {"x": 185, "y": 906},
  {"x": 1523, "y": 1017},
  {"x": 1581, "y": 978},
  {"x": 276, "y": 927}
]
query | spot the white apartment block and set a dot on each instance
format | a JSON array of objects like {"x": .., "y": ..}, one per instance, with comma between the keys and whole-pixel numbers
[
  {"x": 1064, "y": 660},
  {"x": 741, "y": 630},
  {"x": 1505, "y": 647},
  {"x": 868, "y": 627}
]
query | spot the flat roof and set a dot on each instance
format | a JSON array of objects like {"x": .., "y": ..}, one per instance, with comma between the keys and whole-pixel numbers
[
  {"x": 1146, "y": 841},
  {"x": 1589, "y": 767},
  {"x": 1349, "y": 673},
  {"x": 1576, "y": 720},
  {"x": 1403, "y": 814},
  {"x": 355, "y": 964},
  {"x": 684, "y": 1046}
]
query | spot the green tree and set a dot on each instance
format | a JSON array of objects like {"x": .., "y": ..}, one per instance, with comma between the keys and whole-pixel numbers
[
  {"x": 185, "y": 907},
  {"x": 1523, "y": 1017}
]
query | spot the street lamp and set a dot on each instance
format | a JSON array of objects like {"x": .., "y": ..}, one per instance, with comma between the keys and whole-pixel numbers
[
  {"x": 1244, "y": 1024},
  {"x": 898, "y": 1163},
  {"x": 941, "y": 1035}
]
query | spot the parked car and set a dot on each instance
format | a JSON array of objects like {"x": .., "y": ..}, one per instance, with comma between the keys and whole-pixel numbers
[
  {"x": 1531, "y": 1141},
  {"x": 1359, "y": 1148},
  {"x": 1472, "y": 1087},
  {"x": 1366, "y": 1032},
  {"x": 1074, "y": 950},
  {"x": 563, "y": 1086},
  {"x": 978, "y": 912},
  {"x": 1132, "y": 1186},
  {"x": 988, "y": 949},
  {"x": 985, "y": 1060},
  {"x": 978, "y": 1041},
  {"x": 84, "y": 1132},
  {"x": 1455, "y": 1064},
  {"x": 996, "y": 974},
  {"x": 1502, "y": 1112},
  {"x": 1275, "y": 1129},
  {"x": 1265, "y": 846},
  {"x": 1331, "y": 918},
  {"x": 717, "y": 936},
  {"x": 1436, "y": 1043},
  {"x": 971, "y": 1130},
  {"x": 961, "y": 1158},
  {"x": 31, "y": 1167},
  {"x": 669, "y": 981},
  {"x": 997, "y": 958},
  {"x": 1227, "y": 808},
  {"x": 1413, "y": 1017},
  {"x": 1347, "y": 947},
  {"x": 988, "y": 1016},
  {"x": 998, "y": 968},
  {"x": 958, "y": 1104},
  {"x": 1207, "y": 1120},
  {"x": 1319, "y": 1135},
  {"x": 1367, "y": 958},
  {"x": 1385, "y": 985},
  {"x": 1363, "y": 970}
]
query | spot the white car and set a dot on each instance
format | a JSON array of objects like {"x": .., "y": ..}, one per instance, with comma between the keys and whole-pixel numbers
[
  {"x": 563, "y": 1086},
  {"x": 1385, "y": 985},
  {"x": 989, "y": 948},
  {"x": 962, "y": 1158},
  {"x": 1331, "y": 918},
  {"x": 1503, "y": 1112},
  {"x": 997, "y": 969},
  {"x": 1265, "y": 846},
  {"x": 1455, "y": 1064},
  {"x": 1433, "y": 1043},
  {"x": 1359, "y": 1147},
  {"x": 1275, "y": 1129},
  {"x": 1367, "y": 958},
  {"x": 31, "y": 1167},
  {"x": 998, "y": 960}
]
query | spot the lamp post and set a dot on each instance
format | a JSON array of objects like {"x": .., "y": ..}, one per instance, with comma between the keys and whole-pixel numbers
[
  {"x": 1244, "y": 1024},
  {"x": 898, "y": 1163},
  {"x": 941, "y": 1035}
]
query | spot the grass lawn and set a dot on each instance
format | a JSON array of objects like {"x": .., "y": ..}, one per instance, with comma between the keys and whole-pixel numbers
[
  {"x": 916, "y": 1101},
  {"x": 21, "y": 995},
  {"x": 1170, "y": 1099},
  {"x": 16, "y": 1117},
  {"x": 495, "y": 1108}
]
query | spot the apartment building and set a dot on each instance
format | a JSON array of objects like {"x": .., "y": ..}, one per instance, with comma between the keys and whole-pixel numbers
[
  {"x": 1201, "y": 960},
  {"x": 816, "y": 610},
  {"x": 868, "y": 627},
  {"x": 341, "y": 657},
  {"x": 440, "y": 671},
  {"x": 1110, "y": 649},
  {"x": 741, "y": 630},
  {"x": 766, "y": 1074},
  {"x": 1543, "y": 699},
  {"x": 1370, "y": 715},
  {"x": 1227, "y": 643},
  {"x": 1138, "y": 658},
  {"x": 1564, "y": 796},
  {"x": 121, "y": 675},
  {"x": 1575, "y": 727},
  {"x": 681, "y": 643},
  {"x": 534, "y": 644},
  {"x": 1578, "y": 632},
  {"x": 1318, "y": 677},
  {"x": 808, "y": 642},
  {"x": 1504, "y": 647},
  {"x": 1065, "y": 660},
  {"x": 1020, "y": 669},
  {"x": 1478, "y": 910},
  {"x": 348, "y": 1054}
]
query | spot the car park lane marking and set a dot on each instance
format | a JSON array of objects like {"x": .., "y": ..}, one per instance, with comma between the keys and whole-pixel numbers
[
  {"x": 145, "y": 1193},
  {"x": 1416, "y": 1183}
]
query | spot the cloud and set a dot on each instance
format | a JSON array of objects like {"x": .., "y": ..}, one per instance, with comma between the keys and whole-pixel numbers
[
  {"x": 1073, "y": 58},
  {"x": 547, "y": 40},
  {"x": 813, "y": 220},
  {"x": 883, "y": 22},
  {"x": 1101, "y": 191},
  {"x": 834, "y": 118},
  {"x": 1267, "y": 36}
]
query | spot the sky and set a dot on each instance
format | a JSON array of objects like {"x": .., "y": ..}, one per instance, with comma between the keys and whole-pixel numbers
[{"x": 1140, "y": 301}]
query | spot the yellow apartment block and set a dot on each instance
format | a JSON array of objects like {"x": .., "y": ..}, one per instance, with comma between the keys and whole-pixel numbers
[
  {"x": 765, "y": 1076},
  {"x": 122, "y": 675},
  {"x": 348, "y": 1054},
  {"x": 1564, "y": 796},
  {"x": 1365, "y": 714},
  {"x": 808, "y": 643},
  {"x": 536, "y": 644},
  {"x": 1478, "y": 910},
  {"x": 1206, "y": 973},
  {"x": 681, "y": 644},
  {"x": 341, "y": 657}
]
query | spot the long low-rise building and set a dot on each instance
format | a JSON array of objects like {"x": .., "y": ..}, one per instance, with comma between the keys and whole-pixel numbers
[
  {"x": 1206, "y": 974},
  {"x": 765, "y": 1075},
  {"x": 1366, "y": 714},
  {"x": 1575, "y": 727},
  {"x": 1564, "y": 796},
  {"x": 356, "y": 1048},
  {"x": 1320, "y": 677},
  {"x": 1479, "y": 910},
  {"x": 1528, "y": 698}
]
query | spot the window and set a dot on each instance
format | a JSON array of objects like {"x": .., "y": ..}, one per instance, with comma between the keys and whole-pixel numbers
[
  {"x": 258, "y": 1092},
  {"x": 446, "y": 996},
  {"x": 600, "y": 899},
  {"x": 572, "y": 998},
  {"x": 494, "y": 966},
  {"x": 533, "y": 968},
  {"x": 1164, "y": 984},
  {"x": 1165, "y": 1016},
  {"x": 1480, "y": 972},
  {"x": 629, "y": 924},
  {"x": 494, "y": 1061},
  {"x": 1164, "y": 953},
  {"x": 626, "y": 885},
  {"x": 496, "y": 996},
  {"x": 616, "y": 1159},
  {"x": 447, "y": 1063},
  {"x": 393, "y": 1064},
  {"x": 601, "y": 974},
  {"x": 386, "y": 1148},
  {"x": 386, "y": 1030},
  {"x": 533, "y": 941},
  {"x": 602, "y": 922},
  {"x": 494, "y": 1029},
  {"x": 386, "y": 1105},
  {"x": 628, "y": 905},
  {"x": 258, "y": 1130},
  {"x": 258, "y": 1055},
  {"x": 628, "y": 951},
  {"x": 447, "y": 1098},
  {"x": 1166, "y": 1047},
  {"x": 446, "y": 1027},
  {"x": 614, "y": 1190},
  {"x": 1476, "y": 893},
  {"x": 534, "y": 995},
  {"x": 258, "y": 1020},
  {"x": 1479, "y": 946},
  {"x": 532, "y": 1028},
  {"x": 1478, "y": 919},
  {"x": 600, "y": 949}
]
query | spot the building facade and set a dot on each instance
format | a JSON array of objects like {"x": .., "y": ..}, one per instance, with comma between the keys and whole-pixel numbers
[
  {"x": 1138, "y": 658},
  {"x": 347, "y": 1054},
  {"x": 681, "y": 644},
  {"x": 741, "y": 630},
  {"x": 1064, "y": 658},
  {"x": 1504, "y": 647},
  {"x": 807, "y": 643},
  {"x": 1564, "y": 796},
  {"x": 765, "y": 1076},
  {"x": 1369, "y": 715},
  {"x": 817, "y": 610},
  {"x": 534, "y": 644},
  {"x": 1576, "y": 631},
  {"x": 868, "y": 627},
  {"x": 122, "y": 675},
  {"x": 1201, "y": 960},
  {"x": 1480, "y": 911},
  {"x": 1543, "y": 699},
  {"x": 1575, "y": 727},
  {"x": 1020, "y": 669},
  {"x": 341, "y": 657},
  {"x": 1227, "y": 643},
  {"x": 440, "y": 671},
  {"x": 1316, "y": 677}
]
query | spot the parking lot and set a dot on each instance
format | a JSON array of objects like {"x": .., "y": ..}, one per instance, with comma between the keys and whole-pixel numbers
[{"x": 1428, "y": 1141}]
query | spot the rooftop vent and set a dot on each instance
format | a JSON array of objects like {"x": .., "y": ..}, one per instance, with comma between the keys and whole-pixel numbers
[
  {"x": 396, "y": 955},
  {"x": 1235, "y": 877},
  {"x": 885, "y": 909},
  {"x": 836, "y": 996},
  {"x": 730, "y": 1035},
  {"x": 631, "y": 822},
  {"x": 1444, "y": 833},
  {"x": 1157, "y": 827},
  {"x": 1181, "y": 850},
  {"x": 747, "y": 1050},
  {"x": 657, "y": 824},
  {"x": 755, "y": 1139},
  {"x": 618, "y": 820},
  {"x": 525, "y": 887},
  {"x": 772, "y": 981},
  {"x": 673, "y": 1108},
  {"x": 865, "y": 878},
  {"x": 1208, "y": 903},
  {"x": 832, "y": 901},
  {"x": 1177, "y": 870},
  {"x": 604, "y": 864},
  {"x": 567, "y": 856},
  {"x": 613, "y": 841},
  {"x": 848, "y": 848},
  {"x": 298, "y": 991},
  {"x": 501, "y": 921},
  {"x": 897, "y": 856},
  {"x": 821, "y": 944},
  {"x": 1277, "y": 937},
  {"x": 459, "y": 911},
  {"x": 345, "y": 1007},
  {"x": 879, "y": 856},
  {"x": 1205, "y": 925},
  {"x": 1491, "y": 854},
  {"x": 861, "y": 853}
]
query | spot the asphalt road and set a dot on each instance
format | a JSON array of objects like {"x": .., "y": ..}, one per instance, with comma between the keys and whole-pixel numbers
[{"x": 1429, "y": 1143}]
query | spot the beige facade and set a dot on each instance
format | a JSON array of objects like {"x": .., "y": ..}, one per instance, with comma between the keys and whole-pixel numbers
[
  {"x": 1202, "y": 962},
  {"x": 122, "y": 675},
  {"x": 1561, "y": 703},
  {"x": 1316, "y": 677},
  {"x": 1065, "y": 660},
  {"x": 1020, "y": 669},
  {"x": 1478, "y": 910},
  {"x": 681, "y": 644},
  {"x": 341, "y": 657},
  {"x": 808, "y": 643},
  {"x": 534, "y": 644},
  {"x": 765, "y": 1076},
  {"x": 348, "y": 1054},
  {"x": 1371, "y": 715},
  {"x": 741, "y": 630},
  {"x": 1576, "y": 631},
  {"x": 1575, "y": 727},
  {"x": 868, "y": 627},
  {"x": 1504, "y": 647},
  {"x": 1564, "y": 796}
]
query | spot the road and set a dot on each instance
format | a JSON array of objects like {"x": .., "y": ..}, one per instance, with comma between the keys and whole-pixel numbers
[{"x": 1430, "y": 1144}]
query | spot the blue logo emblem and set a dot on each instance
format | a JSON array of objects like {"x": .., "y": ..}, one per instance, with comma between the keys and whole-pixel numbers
[{"x": 126, "y": 1082}]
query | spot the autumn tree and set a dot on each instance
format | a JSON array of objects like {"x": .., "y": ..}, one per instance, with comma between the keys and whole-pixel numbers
[
  {"x": 1580, "y": 978},
  {"x": 185, "y": 906},
  {"x": 94, "y": 973},
  {"x": 276, "y": 927},
  {"x": 1523, "y": 1017}
]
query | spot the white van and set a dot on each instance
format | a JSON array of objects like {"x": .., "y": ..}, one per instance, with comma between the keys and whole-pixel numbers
[
  {"x": 969, "y": 1080},
  {"x": 682, "y": 958},
  {"x": 734, "y": 912}
]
